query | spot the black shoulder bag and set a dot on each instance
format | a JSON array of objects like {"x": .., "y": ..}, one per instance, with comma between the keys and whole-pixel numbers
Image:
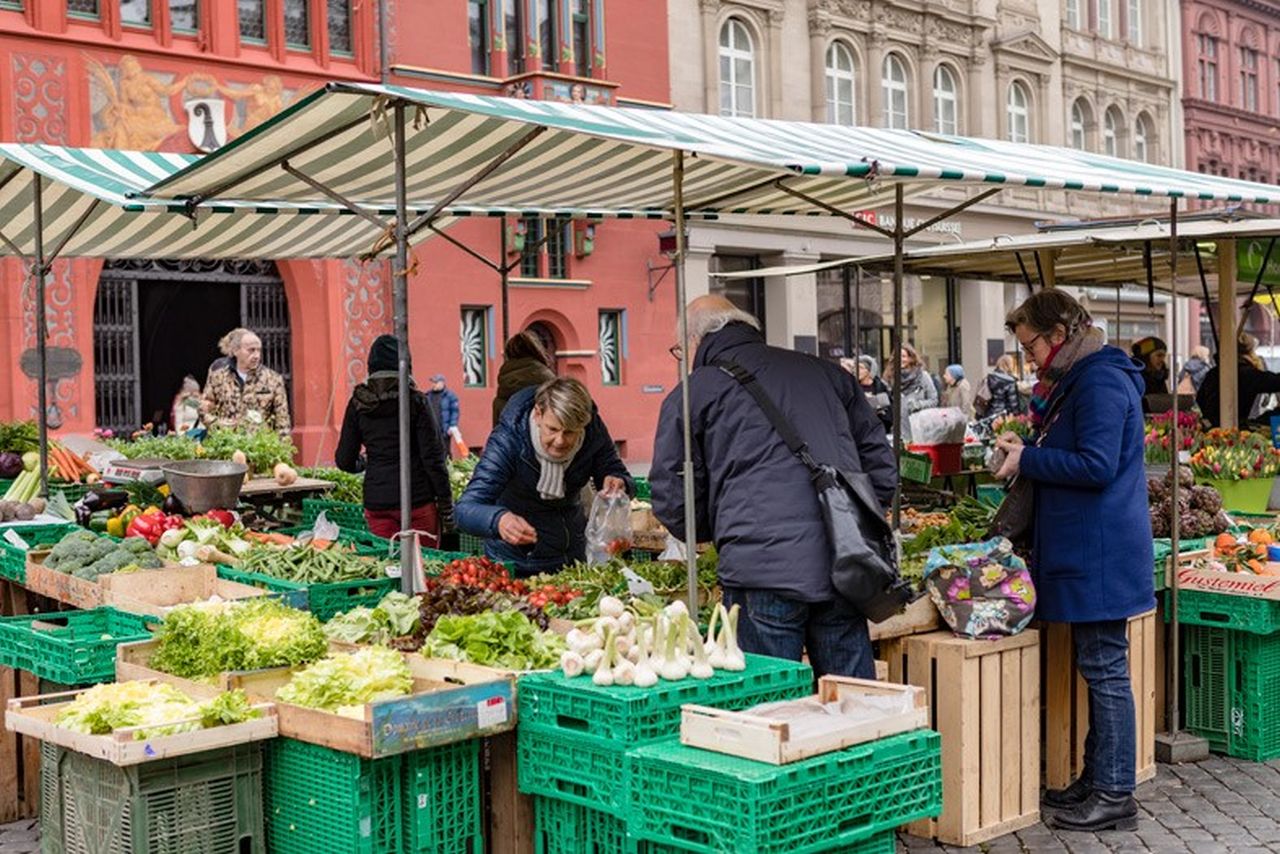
[{"x": 864, "y": 557}]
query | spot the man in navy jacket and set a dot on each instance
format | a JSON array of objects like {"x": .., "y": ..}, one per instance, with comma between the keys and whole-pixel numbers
[{"x": 754, "y": 498}]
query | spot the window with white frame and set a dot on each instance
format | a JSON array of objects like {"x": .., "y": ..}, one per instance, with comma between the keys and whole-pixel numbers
[
  {"x": 474, "y": 342},
  {"x": 1111, "y": 124},
  {"x": 1143, "y": 132},
  {"x": 1079, "y": 124},
  {"x": 1249, "y": 79},
  {"x": 893, "y": 83},
  {"x": 1018, "y": 108},
  {"x": 737, "y": 70},
  {"x": 1106, "y": 18},
  {"x": 1073, "y": 14},
  {"x": 1207, "y": 65},
  {"x": 841, "y": 85},
  {"x": 1135, "y": 22},
  {"x": 611, "y": 347},
  {"x": 945, "y": 101}
]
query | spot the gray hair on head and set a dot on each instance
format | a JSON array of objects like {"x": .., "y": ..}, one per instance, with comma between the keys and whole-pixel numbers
[
  {"x": 568, "y": 400},
  {"x": 710, "y": 314},
  {"x": 230, "y": 342}
]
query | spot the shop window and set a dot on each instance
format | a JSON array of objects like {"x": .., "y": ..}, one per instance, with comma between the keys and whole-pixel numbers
[
  {"x": 611, "y": 347},
  {"x": 339, "y": 26},
  {"x": 253, "y": 20},
  {"x": 737, "y": 70},
  {"x": 475, "y": 346},
  {"x": 82, "y": 8},
  {"x": 478, "y": 35},
  {"x": 297, "y": 24},
  {"x": 184, "y": 15},
  {"x": 746, "y": 294},
  {"x": 581, "y": 35},
  {"x": 135, "y": 13}
]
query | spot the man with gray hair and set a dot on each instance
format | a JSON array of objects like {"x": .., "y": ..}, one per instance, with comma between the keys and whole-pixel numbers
[
  {"x": 755, "y": 499},
  {"x": 243, "y": 393}
]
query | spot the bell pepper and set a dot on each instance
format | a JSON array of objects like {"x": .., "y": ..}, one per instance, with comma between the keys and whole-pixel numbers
[
  {"x": 225, "y": 518},
  {"x": 116, "y": 526},
  {"x": 149, "y": 526}
]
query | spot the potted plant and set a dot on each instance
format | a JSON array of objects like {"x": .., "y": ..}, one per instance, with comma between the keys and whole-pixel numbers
[{"x": 1240, "y": 464}]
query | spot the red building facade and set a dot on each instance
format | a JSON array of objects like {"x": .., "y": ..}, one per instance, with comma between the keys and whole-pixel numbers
[
  {"x": 1231, "y": 87},
  {"x": 134, "y": 74}
]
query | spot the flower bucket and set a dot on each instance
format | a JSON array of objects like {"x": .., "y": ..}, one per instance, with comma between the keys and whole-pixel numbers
[{"x": 1244, "y": 496}]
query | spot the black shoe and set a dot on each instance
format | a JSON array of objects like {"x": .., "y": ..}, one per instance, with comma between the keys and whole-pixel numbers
[
  {"x": 1100, "y": 811},
  {"x": 1070, "y": 797}
]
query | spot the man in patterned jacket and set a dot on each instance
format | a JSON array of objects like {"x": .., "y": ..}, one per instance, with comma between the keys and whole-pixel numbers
[{"x": 243, "y": 393}]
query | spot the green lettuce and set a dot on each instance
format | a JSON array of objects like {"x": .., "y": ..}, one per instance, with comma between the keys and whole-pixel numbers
[
  {"x": 205, "y": 639},
  {"x": 344, "y": 682},
  {"x": 505, "y": 639}
]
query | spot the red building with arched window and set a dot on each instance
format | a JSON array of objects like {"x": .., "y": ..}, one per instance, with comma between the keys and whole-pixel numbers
[{"x": 133, "y": 74}]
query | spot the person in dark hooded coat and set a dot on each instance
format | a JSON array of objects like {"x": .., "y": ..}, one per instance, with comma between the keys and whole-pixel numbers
[
  {"x": 524, "y": 365},
  {"x": 372, "y": 422}
]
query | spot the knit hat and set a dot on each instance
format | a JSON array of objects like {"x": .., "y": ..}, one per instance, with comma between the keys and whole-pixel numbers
[
  {"x": 956, "y": 371},
  {"x": 384, "y": 355},
  {"x": 1146, "y": 346}
]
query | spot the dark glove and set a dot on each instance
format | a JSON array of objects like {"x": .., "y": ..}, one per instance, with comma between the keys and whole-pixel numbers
[{"x": 445, "y": 512}]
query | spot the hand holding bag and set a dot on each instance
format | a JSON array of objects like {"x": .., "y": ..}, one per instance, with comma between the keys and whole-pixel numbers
[{"x": 864, "y": 557}]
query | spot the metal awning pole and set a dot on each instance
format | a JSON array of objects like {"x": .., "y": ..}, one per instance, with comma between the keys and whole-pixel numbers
[
  {"x": 1175, "y": 517},
  {"x": 400, "y": 296},
  {"x": 1208, "y": 300},
  {"x": 505, "y": 270},
  {"x": 42, "y": 331},
  {"x": 896, "y": 354},
  {"x": 682, "y": 312}
]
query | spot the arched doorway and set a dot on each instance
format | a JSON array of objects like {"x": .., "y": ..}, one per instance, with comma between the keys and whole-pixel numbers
[{"x": 155, "y": 321}]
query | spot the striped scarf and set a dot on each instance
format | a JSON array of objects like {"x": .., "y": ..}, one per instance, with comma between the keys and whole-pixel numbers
[
  {"x": 1062, "y": 359},
  {"x": 551, "y": 471}
]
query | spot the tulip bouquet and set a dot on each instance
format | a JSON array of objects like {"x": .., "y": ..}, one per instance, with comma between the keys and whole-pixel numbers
[
  {"x": 1159, "y": 435},
  {"x": 1234, "y": 455}
]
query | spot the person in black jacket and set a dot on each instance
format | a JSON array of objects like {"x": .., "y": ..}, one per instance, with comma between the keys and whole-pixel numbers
[
  {"x": 754, "y": 498},
  {"x": 1252, "y": 382},
  {"x": 1152, "y": 355},
  {"x": 372, "y": 421},
  {"x": 525, "y": 496}
]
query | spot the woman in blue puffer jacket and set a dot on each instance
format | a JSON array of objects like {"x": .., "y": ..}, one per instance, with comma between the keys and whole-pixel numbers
[
  {"x": 1091, "y": 547},
  {"x": 525, "y": 495}
]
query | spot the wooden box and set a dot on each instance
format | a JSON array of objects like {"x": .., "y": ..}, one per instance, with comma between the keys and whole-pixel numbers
[
  {"x": 918, "y": 617},
  {"x": 1066, "y": 700},
  {"x": 759, "y": 737},
  {"x": 77, "y": 592},
  {"x": 984, "y": 700},
  {"x": 34, "y": 715},
  {"x": 154, "y": 592},
  {"x": 19, "y": 754}
]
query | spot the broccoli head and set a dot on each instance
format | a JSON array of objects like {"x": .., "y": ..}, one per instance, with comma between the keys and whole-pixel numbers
[
  {"x": 150, "y": 560},
  {"x": 116, "y": 559},
  {"x": 71, "y": 552},
  {"x": 101, "y": 549},
  {"x": 138, "y": 545}
]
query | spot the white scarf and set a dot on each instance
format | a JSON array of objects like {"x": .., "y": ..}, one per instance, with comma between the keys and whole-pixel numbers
[{"x": 551, "y": 478}]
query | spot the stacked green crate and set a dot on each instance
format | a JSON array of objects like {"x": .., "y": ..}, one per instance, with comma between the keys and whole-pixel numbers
[
  {"x": 13, "y": 559},
  {"x": 422, "y": 802},
  {"x": 70, "y": 647},
  {"x": 1232, "y": 686},
  {"x": 205, "y": 803}
]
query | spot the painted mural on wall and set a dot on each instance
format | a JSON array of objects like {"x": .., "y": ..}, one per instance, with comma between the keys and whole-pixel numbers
[
  {"x": 366, "y": 296},
  {"x": 134, "y": 108}
]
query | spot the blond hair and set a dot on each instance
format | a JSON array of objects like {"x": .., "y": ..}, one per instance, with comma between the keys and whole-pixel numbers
[
  {"x": 229, "y": 343},
  {"x": 568, "y": 400}
]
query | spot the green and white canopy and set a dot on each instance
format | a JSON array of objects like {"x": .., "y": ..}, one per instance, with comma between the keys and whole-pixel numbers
[
  {"x": 590, "y": 157},
  {"x": 124, "y": 222}
]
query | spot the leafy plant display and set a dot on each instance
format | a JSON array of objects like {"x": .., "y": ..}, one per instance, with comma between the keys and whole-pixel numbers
[
  {"x": 344, "y": 682},
  {"x": 397, "y": 615},
  {"x": 507, "y": 640},
  {"x": 202, "y": 640},
  {"x": 347, "y": 487},
  {"x": 19, "y": 437},
  {"x": 159, "y": 708}
]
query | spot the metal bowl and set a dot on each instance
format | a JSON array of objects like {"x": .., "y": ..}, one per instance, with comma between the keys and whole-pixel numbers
[{"x": 203, "y": 485}]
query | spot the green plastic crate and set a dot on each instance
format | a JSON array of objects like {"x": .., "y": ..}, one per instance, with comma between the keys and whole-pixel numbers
[
  {"x": 469, "y": 544},
  {"x": 1163, "y": 547},
  {"x": 630, "y": 716},
  {"x": 328, "y": 600},
  {"x": 702, "y": 801},
  {"x": 1232, "y": 687},
  {"x": 291, "y": 593},
  {"x": 322, "y": 800},
  {"x": 442, "y": 808},
  {"x": 560, "y": 827},
  {"x": 205, "y": 803},
  {"x": 1240, "y": 613},
  {"x": 70, "y": 647},
  {"x": 13, "y": 560},
  {"x": 344, "y": 514},
  {"x": 73, "y": 492},
  {"x": 881, "y": 843},
  {"x": 991, "y": 494}
]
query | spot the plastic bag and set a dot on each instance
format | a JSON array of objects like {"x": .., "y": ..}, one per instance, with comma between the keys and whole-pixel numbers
[
  {"x": 608, "y": 527},
  {"x": 982, "y": 590},
  {"x": 938, "y": 426}
]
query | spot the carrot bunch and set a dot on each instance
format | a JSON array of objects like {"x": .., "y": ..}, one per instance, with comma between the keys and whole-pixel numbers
[{"x": 70, "y": 467}]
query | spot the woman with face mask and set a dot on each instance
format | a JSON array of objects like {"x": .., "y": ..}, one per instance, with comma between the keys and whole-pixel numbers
[{"x": 525, "y": 495}]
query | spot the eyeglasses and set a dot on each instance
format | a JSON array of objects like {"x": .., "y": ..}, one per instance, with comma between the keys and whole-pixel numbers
[
  {"x": 1028, "y": 345},
  {"x": 676, "y": 351}
]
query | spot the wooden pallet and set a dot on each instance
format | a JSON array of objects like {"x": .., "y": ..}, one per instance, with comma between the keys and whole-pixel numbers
[
  {"x": 984, "y": 699},
  {"x": 1066, "y": 699}
]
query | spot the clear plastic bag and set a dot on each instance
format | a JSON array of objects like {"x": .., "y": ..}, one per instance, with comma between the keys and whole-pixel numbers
[{"x": 608, "y": 527}]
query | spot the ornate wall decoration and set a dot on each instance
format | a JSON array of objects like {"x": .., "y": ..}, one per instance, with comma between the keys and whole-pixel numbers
[
  {"x": 59, "y": 294},
  {"x": 39, "y": 98},
  {"x": 366, "y": 313}
]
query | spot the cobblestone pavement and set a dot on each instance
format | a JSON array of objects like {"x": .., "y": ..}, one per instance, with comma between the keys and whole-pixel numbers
[{"x": 1220, "y": 806}]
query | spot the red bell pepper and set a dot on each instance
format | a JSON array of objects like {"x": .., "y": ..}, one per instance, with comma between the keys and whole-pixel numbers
[
  {"x": 225, "y": 518},
  {"x": 149, "y": 526}
]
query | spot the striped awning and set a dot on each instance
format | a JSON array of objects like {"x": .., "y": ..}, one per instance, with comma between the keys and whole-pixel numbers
[
  {"x": 620, "y": 159},
  {"x": 108, "y": 189}
]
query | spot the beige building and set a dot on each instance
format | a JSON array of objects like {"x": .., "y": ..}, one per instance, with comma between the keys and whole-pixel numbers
[{"x": 1093, "y": 74}]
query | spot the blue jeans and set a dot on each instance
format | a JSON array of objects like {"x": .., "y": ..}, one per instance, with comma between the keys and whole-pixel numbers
[
  {"x": 1110, "y": 748},
  {"x": 834, "y": 633}
]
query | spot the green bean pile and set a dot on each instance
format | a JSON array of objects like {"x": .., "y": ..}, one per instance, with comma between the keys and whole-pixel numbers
[{"x": 307, "y": 565}]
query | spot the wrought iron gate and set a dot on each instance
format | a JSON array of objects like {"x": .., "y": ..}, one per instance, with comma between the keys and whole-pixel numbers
[{"x": 117, "y": 371}]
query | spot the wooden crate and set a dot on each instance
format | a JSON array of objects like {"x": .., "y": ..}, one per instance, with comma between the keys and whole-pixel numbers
[
  {"x": 1066, "y": 699},
  {"x": 19, "y": 754},
  {"x": 918, "y": 617},
  {"x": 984, "y": 699},
  {"x": 508, "y": 812},
  {"x": 156, "y": 592}
]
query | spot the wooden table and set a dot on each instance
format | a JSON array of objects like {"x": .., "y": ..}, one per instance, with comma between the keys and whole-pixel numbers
[{"x": 264, "y": 492}]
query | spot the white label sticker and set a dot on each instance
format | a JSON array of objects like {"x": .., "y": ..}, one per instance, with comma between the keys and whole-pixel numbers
[
  {"x": 491, "y": 712},
  {"x": 12, "y": 537}
]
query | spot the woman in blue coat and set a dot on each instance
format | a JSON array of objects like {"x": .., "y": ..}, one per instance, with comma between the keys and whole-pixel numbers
[
  {"x": 1091, "y": 542},
  {"x": 525, "y": 495}
]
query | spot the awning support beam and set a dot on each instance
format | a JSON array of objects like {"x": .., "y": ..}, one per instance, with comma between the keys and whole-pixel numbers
[
  {"x": 965, "y": 205},
  {"x": 66, "y": 238},
  {"x": 1262, "y": 271},
  {"x": 741, "y": 191},
  {"x": 1208, "y": 301},
  {"x": 330, "y": 193},
  {"x": 1026, "y": 277},
  {"x": 495, "y": 267},
  {"x": 833, "y": 210}
]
